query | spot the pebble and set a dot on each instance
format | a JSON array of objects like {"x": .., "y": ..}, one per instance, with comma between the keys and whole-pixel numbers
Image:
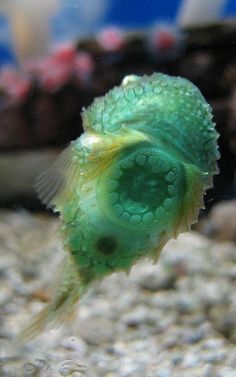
[
  {"x": 176, "y": 318},
  {"x": 155, "y": 281}
]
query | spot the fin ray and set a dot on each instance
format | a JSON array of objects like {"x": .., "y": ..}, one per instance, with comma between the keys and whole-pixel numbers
[{"x": 53, "y": 183}]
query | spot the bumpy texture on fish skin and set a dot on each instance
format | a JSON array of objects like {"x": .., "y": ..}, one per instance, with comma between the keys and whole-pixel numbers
[{"x": 132, "y": 181}]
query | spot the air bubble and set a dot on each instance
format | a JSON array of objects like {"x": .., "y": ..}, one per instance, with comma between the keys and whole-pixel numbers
[
  {"x": 160, "y": 213},
  {"x": 113, "y": 197},
  {"x": 138, "y": 90},
  {"x": 157, "y": 89},
  {"x": 117, "y": 209},
  {"x": 153, "y": 160},
  {"x": 105, "y": 118},
  {"x": 171, "y": 190},
  {"x": 128, "y": 164},
  {"x": 170, "y": 177},
  {"x": 140, "y": 159},
  {"x": 135, "y": 219},
  {"x": 168, "y": 204},
  {"x": 117, "y": 173},
  {"x": 112, "y": 185},
  {"x": 148, "y": 218},
  {"x": 125, "y": 216},
  {"x": 129, "y": 94},
  {"x": 165, "y": 167}
]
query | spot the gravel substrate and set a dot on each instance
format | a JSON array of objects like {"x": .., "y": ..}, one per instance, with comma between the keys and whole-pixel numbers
[{"x": 174, "y": 319}]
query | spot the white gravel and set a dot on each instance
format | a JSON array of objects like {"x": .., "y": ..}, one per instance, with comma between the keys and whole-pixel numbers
[{"x": 174, "y": 319}]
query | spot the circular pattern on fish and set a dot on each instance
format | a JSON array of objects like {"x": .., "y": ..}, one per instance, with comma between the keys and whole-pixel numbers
[{"x": 141, "y": 189}]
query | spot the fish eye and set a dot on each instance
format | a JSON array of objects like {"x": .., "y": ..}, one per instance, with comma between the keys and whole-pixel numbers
[{"x": 106, "y": 245}]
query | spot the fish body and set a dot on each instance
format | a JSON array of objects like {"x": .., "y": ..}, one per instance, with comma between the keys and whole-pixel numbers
[{"x": 133, "y": 180}]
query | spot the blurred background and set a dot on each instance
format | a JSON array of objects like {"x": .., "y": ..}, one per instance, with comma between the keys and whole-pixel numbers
[{"x": 56, "y": 56}]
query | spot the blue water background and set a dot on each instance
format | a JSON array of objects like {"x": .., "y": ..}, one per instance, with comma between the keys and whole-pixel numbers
[{"x": 78, "y": 18}]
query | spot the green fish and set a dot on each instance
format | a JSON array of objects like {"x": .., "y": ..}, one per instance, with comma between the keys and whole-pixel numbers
[{"x": 132, "y": 181}]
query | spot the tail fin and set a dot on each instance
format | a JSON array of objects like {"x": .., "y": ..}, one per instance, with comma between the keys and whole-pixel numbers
[{"x": 71, "y": 289}]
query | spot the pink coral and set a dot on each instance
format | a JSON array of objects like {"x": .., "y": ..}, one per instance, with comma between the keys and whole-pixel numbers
[
  {"x": 63, "y": 64},
  {"x": 111, "y": 39},
  {"x": 14, "y": 83}
]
